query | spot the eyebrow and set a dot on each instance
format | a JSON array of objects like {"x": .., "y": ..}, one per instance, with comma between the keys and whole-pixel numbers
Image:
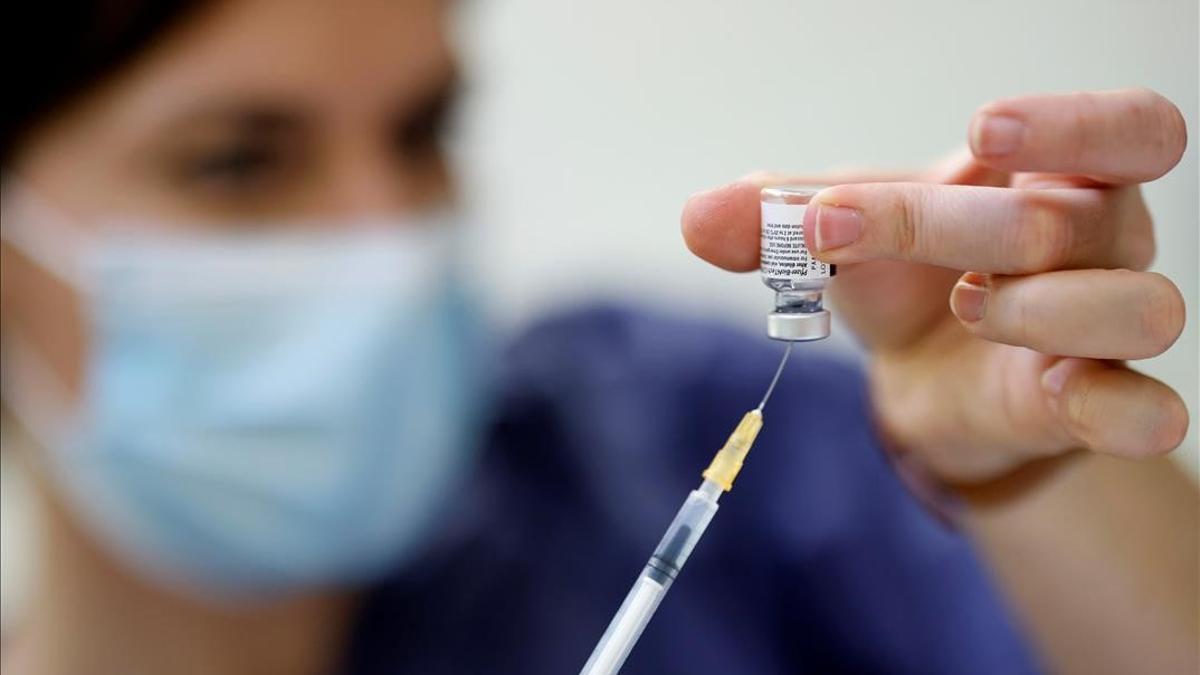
[
  {"x": 248, "y": 114},
  {"x": 435, "y": 101},
  {"x": 282, "y": 115}
]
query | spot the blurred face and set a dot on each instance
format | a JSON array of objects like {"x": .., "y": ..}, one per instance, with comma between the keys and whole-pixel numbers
[{"x": 255, "y": 111}]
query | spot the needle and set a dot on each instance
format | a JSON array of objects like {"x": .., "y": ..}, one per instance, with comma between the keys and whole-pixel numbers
[{"x": 775, "y": 380}]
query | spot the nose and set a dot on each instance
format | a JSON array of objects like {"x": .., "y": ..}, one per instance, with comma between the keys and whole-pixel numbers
[{"x": 360, "y": 184}]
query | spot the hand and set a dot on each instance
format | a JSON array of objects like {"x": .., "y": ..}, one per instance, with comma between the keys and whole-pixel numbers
[{"x": 1000, "y": 292}]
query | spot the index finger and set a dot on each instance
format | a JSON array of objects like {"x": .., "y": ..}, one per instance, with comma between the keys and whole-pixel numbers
[{"x": 1119, "y": 137}]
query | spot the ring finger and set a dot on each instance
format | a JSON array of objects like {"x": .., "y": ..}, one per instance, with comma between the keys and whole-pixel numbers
[{"x": 1101, "y": 314}]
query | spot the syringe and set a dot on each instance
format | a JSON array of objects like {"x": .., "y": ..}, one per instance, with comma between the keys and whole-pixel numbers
[{"x": 677, "y": 544}]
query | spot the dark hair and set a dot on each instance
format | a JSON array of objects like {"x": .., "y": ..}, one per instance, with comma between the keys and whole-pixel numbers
[{"x": 59, "y": 50}]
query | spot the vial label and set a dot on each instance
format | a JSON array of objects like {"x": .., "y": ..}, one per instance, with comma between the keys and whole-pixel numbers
[{"x": 784, "y": 255}]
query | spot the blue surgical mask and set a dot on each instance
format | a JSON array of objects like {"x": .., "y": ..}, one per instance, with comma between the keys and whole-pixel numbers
[{"x": 262, "y": 412}]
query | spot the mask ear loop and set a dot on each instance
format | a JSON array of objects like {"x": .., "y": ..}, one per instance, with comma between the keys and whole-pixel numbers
[
  {"x": 41, "y": 232},
  {"x": 40, "y": 401},
  {"x": 36, "y": 396}
]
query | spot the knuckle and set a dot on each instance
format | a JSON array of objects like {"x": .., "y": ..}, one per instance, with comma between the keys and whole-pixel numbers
[
  {"x": 1043, "y": 236},
  {"x": 1085, "y": 114},
  {"x": 909, "y": 207},
  {"x": 1028, "y": 316},
  {"x": 1013, "y": 312},
  {"x": 1082, "y": 403},
  {"x": 1162, "y": 313}
]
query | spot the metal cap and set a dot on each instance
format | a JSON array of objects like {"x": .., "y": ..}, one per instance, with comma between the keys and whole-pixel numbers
[{"x": 798, "y": 326}]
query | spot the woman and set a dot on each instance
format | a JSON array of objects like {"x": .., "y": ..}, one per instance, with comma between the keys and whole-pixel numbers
[{"x": 246, "y": 379}]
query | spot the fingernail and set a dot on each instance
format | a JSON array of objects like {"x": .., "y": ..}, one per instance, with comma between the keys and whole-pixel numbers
[
  {"x": 997, "y": 135},
  {"x": 1055, "y": 377},
  {"x": 968, "y": 301},
  {"x": 836, "y": 226},
  {"x": 976, "y": 279}
]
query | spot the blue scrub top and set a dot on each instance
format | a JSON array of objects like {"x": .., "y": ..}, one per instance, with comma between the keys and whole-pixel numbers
[{"x": 819, "y": 560}]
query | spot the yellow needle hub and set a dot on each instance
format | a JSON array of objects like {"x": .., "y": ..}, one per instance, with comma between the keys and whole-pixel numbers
[{"x": 728, "y": 460}]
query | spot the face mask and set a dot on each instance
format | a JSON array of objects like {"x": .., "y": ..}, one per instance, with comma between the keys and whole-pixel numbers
[{"x": 262, "y": 412}]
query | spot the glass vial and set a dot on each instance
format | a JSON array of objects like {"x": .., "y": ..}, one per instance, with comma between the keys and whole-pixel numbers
[{"x": 787, "y": 268}]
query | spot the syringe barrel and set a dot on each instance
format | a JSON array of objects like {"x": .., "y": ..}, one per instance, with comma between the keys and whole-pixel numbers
[
  {"x": 652, "y": 584},
  {"x": 627, "y": 626},
  {"x": 683, "y": 533}
]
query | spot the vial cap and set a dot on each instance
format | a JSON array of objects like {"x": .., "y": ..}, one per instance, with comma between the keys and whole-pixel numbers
[{"x": 798, "y": 326}]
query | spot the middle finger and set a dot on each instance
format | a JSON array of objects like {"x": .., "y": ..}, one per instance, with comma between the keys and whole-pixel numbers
[{"x": 986, "y": 229}]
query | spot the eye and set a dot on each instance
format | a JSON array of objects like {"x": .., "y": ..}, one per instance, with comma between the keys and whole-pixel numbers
[
  {"x": 239, "y": 155},
  {"x": 419, "y": 134},
  {"x": 243, "y": 164}
]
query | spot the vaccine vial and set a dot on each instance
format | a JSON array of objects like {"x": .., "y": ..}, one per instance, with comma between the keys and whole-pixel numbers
[{"x": 787, "y": 268}]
